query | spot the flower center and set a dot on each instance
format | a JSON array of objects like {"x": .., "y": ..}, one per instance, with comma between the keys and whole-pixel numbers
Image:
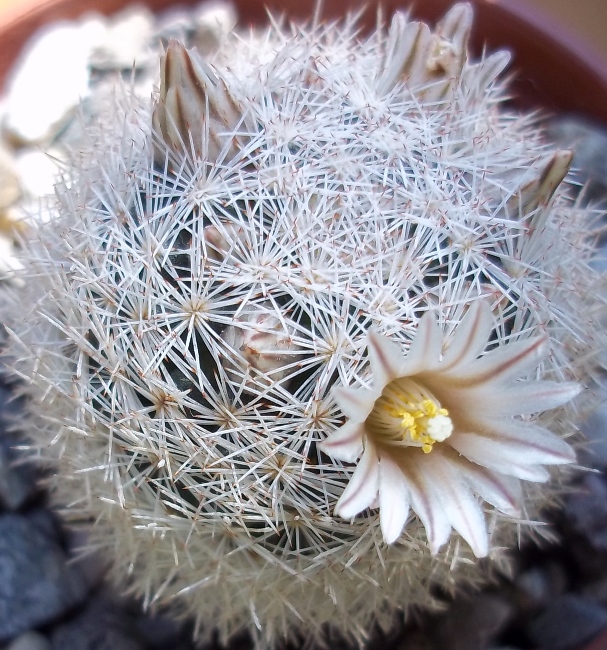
[{"x": 405, "y": 414}]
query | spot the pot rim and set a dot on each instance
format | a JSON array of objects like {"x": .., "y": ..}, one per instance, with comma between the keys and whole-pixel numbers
[{"x": 553, "y": 67}]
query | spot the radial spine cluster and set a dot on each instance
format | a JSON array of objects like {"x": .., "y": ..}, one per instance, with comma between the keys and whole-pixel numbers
[{"x": 221, "y": 325}]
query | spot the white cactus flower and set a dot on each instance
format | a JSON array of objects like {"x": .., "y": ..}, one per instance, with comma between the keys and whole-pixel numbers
[{"x": 437, "y": 429}]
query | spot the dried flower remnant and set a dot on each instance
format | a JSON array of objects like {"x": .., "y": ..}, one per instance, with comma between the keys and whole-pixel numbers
[
  {"x": 436, "y": 430},
  {"x": 419, "y": 58},
  {"x": 261, "y": 342},
  {"x": 195, "y": 113}
]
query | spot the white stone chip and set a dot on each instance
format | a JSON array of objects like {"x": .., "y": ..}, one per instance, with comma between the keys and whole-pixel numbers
[
  {"x": 10, "y": 189},
  {"x": 8, "y": 261},
  {"x": 219, "y": 16},
  {"x": 128, "y": 41},
  {"x": 51, "y": 78},
  {"x": 30, "y": 641},
  {"x": 38, "y": 171},
  {"x": 214, "y": 21}
]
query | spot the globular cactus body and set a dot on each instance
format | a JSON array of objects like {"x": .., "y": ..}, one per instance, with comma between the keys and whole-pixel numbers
[{"x": 254, "y": 326}]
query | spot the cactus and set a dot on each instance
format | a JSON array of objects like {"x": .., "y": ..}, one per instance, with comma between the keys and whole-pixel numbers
[{"x": 302, "y": 337}]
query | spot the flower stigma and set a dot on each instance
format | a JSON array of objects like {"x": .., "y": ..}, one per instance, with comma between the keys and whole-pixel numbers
[{"x": 406, "y": 415}]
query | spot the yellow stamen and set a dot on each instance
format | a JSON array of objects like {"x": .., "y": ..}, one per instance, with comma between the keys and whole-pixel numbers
[{"x": 405, "y": 414}]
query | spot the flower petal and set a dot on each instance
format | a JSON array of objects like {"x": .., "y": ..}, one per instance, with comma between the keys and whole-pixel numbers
[
  {"x": 355, "y": 403},
  {"x": 509, "y": 361},
  {"x": 346, "y": 443},
  {"x": 426, "y": 504},
  {"x": 535, "y": 444},
  {"x": 386, "y": 359},
  {"x": 531, "y": 473},
  {"x": 393, "y": 499},
  {"x": 531, "y": 452},
  {"x": 502, "y": 492},
  {"x": 363, "y": 486},
  {"x": 426, "y": 347},
  {"x": 498, "y": 457},
  {"x": 523, "y": 398},
  {"x": 461, "y": 507},
  {"x": 470, "y": 336}
]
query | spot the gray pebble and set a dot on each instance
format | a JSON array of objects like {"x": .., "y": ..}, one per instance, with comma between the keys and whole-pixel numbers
[
  {"x": 587, "y": 510},
  {"x": 103, "y": 625},
  {"x": 161, "y": 631},
  {"x": 18, "y": 474},
  {"x": 30, "y": 641},
  {"x": 539, "y": 585},
  {"x": 17, "y": 482},
  {"x": 415, "y": 639},
  {"x": 589, "y": 142},
  {"x": 568, "y": 622},
  {"x": 472, "y": 624},
  {"x": 91, "y": 565},
  {"x": 594, "y": 453},
  {"x": 36, "y": 583},
  {"x": 596, "y": 591},
  {"x": 47, "y": 523}
]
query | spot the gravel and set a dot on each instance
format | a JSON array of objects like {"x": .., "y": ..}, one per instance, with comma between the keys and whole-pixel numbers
[{"x": 36, "y": 583}]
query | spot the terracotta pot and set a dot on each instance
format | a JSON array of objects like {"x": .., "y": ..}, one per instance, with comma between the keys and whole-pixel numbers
[
  {"x": 552, "y": 69},
  {"x": 599, "y": 642}
]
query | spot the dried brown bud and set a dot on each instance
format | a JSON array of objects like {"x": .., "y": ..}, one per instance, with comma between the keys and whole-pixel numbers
[
  {"x": 195, "y": 113},
  {"x": 221, "y": 241},
  {"x": 539, "y": 191},
  {"x": 427, "y": 63},
  {"x": 260, "y": 338}
]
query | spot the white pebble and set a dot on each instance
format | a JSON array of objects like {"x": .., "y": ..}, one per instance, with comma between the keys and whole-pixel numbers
[
  {"x": 10, "y": 189},
  {"x": 38, "y": 171},
  {"x": 9, "y": 264},
  {"x": 218, "y": 16},
  {"x": 50, "y": 79},
  {"x": 174, "y": 22},
  {"x": 30, "y": 641},
  {"x": 214, "y": 21},
  {"x": 128, "y": 40}
]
